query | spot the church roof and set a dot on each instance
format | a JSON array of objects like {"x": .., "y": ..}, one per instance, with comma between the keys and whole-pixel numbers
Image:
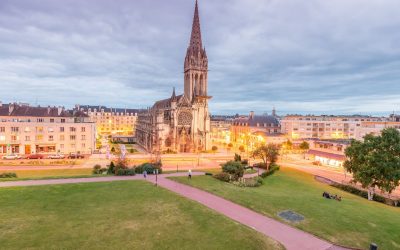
[
  {"x": 195, "y": 39},
  {"x": 166, "y": 103}
]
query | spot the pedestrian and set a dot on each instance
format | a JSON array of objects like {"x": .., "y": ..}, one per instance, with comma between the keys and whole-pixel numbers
[
  {"x": 190, "y": 174},
  {"x": 145, "y": 174}
]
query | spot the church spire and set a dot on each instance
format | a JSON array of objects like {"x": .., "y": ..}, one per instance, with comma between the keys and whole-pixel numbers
[{"x": 195, "y": 39}]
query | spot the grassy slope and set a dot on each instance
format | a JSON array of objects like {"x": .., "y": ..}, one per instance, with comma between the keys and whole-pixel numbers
[
  {"x": 117, "y": 215},
  {"x": 353, "y": 222}
]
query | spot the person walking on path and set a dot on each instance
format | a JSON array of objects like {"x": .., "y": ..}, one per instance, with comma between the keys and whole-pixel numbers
[
  {"x": 145, "y": 174},
  {"x": 190, "y": 174}
]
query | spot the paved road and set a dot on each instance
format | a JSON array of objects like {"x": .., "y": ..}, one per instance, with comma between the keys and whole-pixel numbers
[{"x": 290, "y": 237}]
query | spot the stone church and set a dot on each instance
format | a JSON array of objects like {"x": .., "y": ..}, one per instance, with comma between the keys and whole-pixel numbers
[{"x": 181, "y": 123}]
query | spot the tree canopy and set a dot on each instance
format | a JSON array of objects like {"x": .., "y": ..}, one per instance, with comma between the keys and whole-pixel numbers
[
  {"x": 375, "y": 162},
  {"x": 267, "y": 153}
]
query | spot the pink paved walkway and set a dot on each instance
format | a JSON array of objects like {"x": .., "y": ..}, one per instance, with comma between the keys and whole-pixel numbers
[{"x": 290, "y": 237}]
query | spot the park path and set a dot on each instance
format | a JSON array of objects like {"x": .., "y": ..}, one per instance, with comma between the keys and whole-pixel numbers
[{"x": 288, "y": 236}]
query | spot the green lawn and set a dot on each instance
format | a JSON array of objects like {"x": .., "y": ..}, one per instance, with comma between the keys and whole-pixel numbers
[
  {"x": 115, "y": 215},
  {"x": 49, "y": 174},
  {"x": 353, "y": 222}
]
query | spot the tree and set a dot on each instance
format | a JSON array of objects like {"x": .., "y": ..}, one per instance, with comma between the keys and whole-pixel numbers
[
  {"x": 288, "y": 145},
  {"x": 304, "y": 146},
  {"x": 238, "y": 158},
  {"x": 375, "y": 162},
  {"x": 214, "y": 149},
  {"x": 267, "y": 153},
  {"x": 241, "y": 148}
]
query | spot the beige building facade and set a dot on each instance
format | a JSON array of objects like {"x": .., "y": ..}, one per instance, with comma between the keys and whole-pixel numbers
[
  {"x": 46, "y": 130},
  {"x": 112, "y": 121},
  {"x": 325, "y": 127}
]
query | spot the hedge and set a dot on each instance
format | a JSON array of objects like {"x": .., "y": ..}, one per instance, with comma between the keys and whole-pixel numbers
[
  {"x": 125, "y": 172},
  {"x": 8, "y": 175}
]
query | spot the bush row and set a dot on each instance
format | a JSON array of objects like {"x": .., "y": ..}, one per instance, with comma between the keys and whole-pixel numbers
[
  {"x": 364, "y": 194},
  {"x": 272, "y": 169},
  {"x": 121, "y": 169},
  {"x": 8, "y": 175}
]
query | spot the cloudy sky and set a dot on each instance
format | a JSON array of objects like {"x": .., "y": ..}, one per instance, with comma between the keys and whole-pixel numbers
[{"x": 313, "y": 56}]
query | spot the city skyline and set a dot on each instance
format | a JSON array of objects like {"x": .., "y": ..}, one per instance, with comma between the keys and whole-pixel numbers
[{"x": 300, "y": 58}]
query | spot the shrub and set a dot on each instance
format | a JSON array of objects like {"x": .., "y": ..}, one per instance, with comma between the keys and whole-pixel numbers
[
  {"x": 97, "y": 169},
  {"x": 249, "y": 182},
  {"x": 125, "y": 172},
  {"x": 234, "y": 168},
  {"x": 245, "y": 162},
  {"x": 238, "y": 158},
  {"x": 8, "y": 175},
  {"x": 149, "y": 168},
  {"x": 223, "y": 177},
  {"x": 241, "y": 148},
  {"x": 214, "y": 148},
  {"x": 111, "y": 168},
  {"x": 104, "y": 170},
  {"x": 362, "y": 193}
]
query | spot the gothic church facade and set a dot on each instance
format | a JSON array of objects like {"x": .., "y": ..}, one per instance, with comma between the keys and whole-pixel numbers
[{"x": 181, "y": 123}]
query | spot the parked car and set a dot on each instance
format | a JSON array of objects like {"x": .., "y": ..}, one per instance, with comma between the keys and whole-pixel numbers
[
  {"x": 11, "y": 157},
  {"x": 57, "y": 156},
  {"x": 35, "y": 157},
  {"x": 75, "y": 156}
]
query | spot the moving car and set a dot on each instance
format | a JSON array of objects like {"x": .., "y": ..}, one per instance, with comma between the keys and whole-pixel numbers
[
  {"x": 57, "y": 156},
  {"x": 35, "y": 157},
  {"x": 11, "y": 157}
]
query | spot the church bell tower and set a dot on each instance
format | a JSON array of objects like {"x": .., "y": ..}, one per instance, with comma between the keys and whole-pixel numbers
[{"x": 196, "y": 63}]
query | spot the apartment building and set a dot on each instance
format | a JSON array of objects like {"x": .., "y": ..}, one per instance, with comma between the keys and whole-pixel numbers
[
  {"x": 253, "y": 130},
  {"x": 326, "y": 127},
  {"x": 112, "y": 121},
  {"x": 46, "y": 130}
]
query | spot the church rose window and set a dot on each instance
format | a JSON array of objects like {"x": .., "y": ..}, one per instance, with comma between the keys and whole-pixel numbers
[{"x": 185, "y": 118}]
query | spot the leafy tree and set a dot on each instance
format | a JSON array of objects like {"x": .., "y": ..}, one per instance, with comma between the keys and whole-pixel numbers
[
  {"x": 304, "y": 146},
  {"x": 214, "y": 148},
  {"x": 288, "y": 144},
  {"x": 267, "y": 153},
  {"x": 375, "y": 162},
  {"x": 241, "y": 148}
]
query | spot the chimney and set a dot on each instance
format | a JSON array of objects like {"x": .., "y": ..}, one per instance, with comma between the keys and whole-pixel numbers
[
  {"x": 59, "y": 110},
  {"x": 11, "y": 107},
  {"x": 1, "y": 104},
  {"x": 48, "y": 110},
  {"x": 251, "y": 116}
]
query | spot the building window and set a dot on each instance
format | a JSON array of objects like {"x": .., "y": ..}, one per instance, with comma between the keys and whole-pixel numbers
[
  {"x": 72, "y": 129},
  {"x": 39, "y": 137},
  {"x": 27, "y": 129},
  {"x": 50, "y": 130},
  {"x": 51, "y": 138},
  {"x": 52, "y": 120},
  {"x": 27, "y": 138},
  {"x": 39, "y": 129},
  {"x": 83, "y": 129},
  {"x": 40, "y": 120},
  {"x": 83, "y": 145},
  {"x": 83, "y": 137},
  {"x": 62, "y": 120},
  {"x": 72, "y": 137},
  {"x": 62, "y": 129},
  {"x": 62, "y": 146},
  {"x": 2, "y": 137},
  {"x": 62, "y": 137},
  {"x": 14, "y": 129},
  {"x": 2, "y": 129},
  {"x": 14, "y": 138}
]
